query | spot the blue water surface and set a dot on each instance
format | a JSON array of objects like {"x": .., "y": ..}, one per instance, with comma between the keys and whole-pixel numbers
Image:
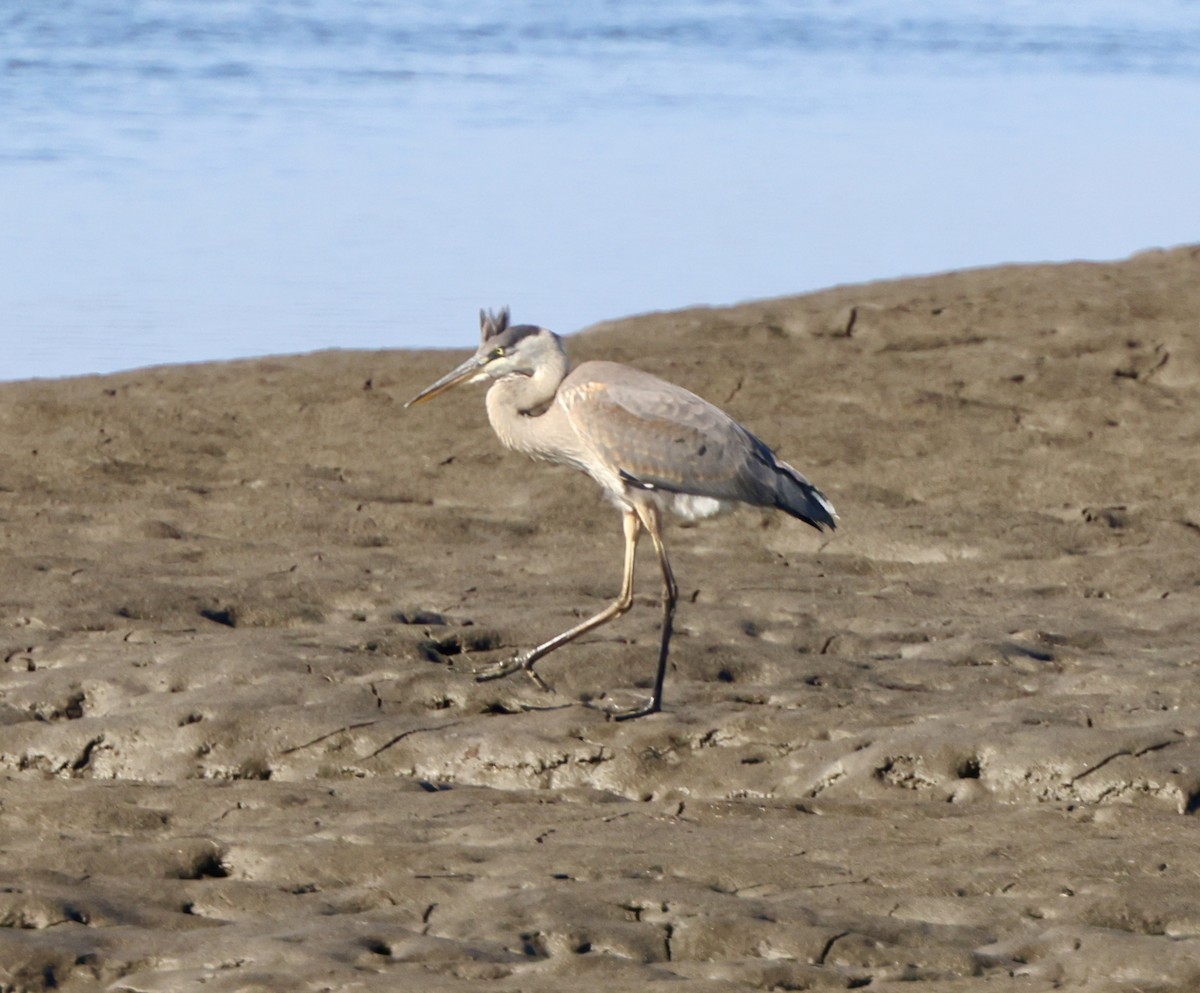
[{"x": 184, "y": 180}]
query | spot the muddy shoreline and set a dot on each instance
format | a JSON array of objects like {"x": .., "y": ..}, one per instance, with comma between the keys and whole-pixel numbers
[{"x": 953, "y": 746}]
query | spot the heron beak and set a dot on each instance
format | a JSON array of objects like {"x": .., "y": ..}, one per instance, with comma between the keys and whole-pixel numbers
[{"x": 464, "y": 373}]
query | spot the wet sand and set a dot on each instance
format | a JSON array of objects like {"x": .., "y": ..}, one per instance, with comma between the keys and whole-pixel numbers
[{"x": 951, "y": 748}]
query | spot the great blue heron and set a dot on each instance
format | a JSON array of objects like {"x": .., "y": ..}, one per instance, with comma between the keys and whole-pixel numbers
[{"x": 651, "y": 445}]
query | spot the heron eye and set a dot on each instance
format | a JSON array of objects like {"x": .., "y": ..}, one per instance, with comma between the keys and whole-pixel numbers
[{"x": 498, "y": 352}]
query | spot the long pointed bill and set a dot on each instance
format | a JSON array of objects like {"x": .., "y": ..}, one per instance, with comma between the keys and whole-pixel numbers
[{"x": 464, "y": 373}]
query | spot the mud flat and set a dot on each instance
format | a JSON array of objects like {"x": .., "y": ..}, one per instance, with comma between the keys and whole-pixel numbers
[{"x": 954, "y": 747}]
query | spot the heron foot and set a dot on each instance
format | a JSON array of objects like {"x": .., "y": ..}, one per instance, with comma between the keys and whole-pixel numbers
[
  {"x": 497, "y": 670},
  {"x": 616, "y": 712},
  {"x": 521, "y": 661}
]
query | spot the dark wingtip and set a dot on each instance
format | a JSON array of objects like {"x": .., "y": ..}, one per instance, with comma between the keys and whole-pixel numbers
[{"x": 815, "y": 509}]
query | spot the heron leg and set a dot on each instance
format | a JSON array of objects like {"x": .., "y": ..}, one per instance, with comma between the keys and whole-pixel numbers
[
  {"x": 525, "y": 660},
  {"x": 650, "y": 520}
]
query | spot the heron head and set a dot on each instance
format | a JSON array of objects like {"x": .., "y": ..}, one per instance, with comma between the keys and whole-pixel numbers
[{"x": 519, "y": 350}]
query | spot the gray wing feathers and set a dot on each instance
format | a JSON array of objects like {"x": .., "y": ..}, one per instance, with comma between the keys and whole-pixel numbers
[{"x": 660, "y": 436}]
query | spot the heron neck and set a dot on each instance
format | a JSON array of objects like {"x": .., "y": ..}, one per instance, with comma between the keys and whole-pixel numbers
[{"x": 516, "y": 404}]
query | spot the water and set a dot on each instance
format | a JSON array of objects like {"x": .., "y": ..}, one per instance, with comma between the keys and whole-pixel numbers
[{"x": 196, "y": 179}]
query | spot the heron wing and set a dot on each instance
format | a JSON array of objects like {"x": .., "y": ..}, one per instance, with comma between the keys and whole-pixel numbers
[
  {"x": 658, "y": 435},
  {"x": 643, "y": 431}
]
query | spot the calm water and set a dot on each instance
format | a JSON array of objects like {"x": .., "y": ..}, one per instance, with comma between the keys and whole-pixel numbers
[{"x": 196, "y": 179}]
